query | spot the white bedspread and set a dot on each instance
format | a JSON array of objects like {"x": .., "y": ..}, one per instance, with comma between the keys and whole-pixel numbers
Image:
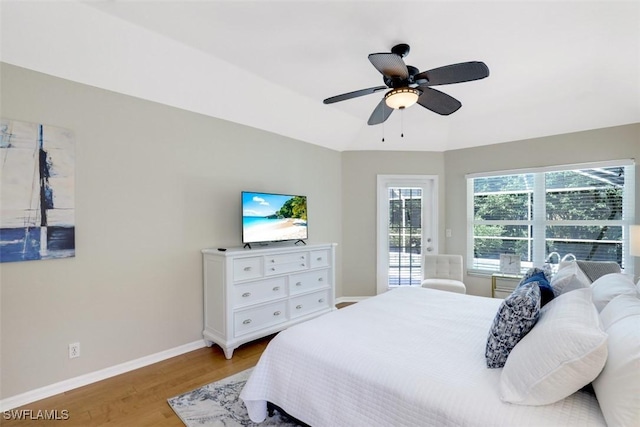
[{"x": 409, "y": 357}]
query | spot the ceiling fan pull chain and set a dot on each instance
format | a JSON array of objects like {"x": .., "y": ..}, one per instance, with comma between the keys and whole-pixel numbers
[
  {"x": 382, "y": 114},
  {"x": 402, "y": 122}
]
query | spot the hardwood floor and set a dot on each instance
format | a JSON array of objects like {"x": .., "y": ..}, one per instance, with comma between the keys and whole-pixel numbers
[{"x": 139, "y": 398}]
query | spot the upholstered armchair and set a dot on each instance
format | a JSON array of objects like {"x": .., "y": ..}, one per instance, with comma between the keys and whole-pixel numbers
[{"x": 443, "y": 272}]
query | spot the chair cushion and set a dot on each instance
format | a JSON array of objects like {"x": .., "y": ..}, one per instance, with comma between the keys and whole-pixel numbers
[{"x": 445, "y": 285}]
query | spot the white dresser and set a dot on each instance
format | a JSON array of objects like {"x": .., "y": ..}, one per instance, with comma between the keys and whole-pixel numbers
[{"x": 252, "y": 293}]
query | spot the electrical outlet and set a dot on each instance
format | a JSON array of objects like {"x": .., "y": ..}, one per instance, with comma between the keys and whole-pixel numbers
[{"x": 74, "y": 350}]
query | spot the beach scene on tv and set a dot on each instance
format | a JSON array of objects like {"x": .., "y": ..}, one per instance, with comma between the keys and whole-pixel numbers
[{"x": 273, "y": 217}]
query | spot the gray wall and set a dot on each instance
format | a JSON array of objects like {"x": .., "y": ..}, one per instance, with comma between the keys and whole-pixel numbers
[
  {"x": 622, "y": 142},
  {"x": 154, "y": 185},
  {"x": 359, "y": 195}
]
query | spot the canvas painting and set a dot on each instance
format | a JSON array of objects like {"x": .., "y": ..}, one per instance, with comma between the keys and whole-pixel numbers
[{"x": 37, "y": 175}]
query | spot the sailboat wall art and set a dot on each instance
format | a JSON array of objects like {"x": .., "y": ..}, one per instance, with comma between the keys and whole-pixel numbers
[{"x": 37, "y": 203}]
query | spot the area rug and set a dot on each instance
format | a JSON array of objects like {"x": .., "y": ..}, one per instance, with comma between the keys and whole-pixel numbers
[{"x": 219, "y": 404}]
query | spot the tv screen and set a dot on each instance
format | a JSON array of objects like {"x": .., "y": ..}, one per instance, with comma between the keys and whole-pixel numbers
[{"x": 268, "y": 217}]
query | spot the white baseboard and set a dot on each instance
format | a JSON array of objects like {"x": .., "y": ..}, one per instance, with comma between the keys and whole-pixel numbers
[
  {"x": 350, "y": 299},
  {"x": 92, "y": 377}
]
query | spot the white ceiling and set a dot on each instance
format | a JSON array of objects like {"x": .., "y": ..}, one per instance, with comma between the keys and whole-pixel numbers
[{"x": 556, "y": 67}]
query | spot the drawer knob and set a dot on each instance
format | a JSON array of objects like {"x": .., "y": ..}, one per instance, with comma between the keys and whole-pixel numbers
[
  {"x": 298, "y": 307},
  {"x": 302, "y": 265},
  {"x": 320, "y": 279},
  {"x": 273, "y": 269},
  {"x": 319, "y": 258},
  {"x": 247, "y": 269},
  {"x": 246, "y": 322},
  {"x": 276, "y": 288},
  {"x": 246, "y": 295},
  {"x": 273, "y": 261},
  {"x": 299, "y": 284},
  {"x": 276, "y": 313},
  {"x": 321, "y": 300}
]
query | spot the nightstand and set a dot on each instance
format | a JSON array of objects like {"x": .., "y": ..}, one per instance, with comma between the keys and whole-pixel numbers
[{"x": 503, "y": 284}]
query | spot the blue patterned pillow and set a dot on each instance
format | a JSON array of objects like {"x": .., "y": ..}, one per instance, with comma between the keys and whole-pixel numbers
[{"x": 516, "y": 316}]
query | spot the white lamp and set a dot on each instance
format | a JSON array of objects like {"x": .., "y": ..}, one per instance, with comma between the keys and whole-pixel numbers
[
  {"x": 634, "y": 240},
  {"x": 401, "y": 97}
]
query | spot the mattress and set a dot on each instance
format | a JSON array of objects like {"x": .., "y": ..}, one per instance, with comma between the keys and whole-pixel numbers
[{"x": 409, "y": 357}]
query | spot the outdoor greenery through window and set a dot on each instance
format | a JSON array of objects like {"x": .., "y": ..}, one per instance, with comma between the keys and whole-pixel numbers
[
  {"x": 583, "y": 210},
  {"x": 405, "y": 236}
]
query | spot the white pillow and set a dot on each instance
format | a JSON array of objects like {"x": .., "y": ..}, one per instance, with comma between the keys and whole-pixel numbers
[
  {"x": 618, "y": 386},
  {"x": 568, "y": 278},
  {"x": 564, "y": 351},
  {"x": 610, "y": 286}
]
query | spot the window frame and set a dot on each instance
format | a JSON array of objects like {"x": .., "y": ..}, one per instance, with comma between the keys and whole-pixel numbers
[{"x": 539, "y": 222}]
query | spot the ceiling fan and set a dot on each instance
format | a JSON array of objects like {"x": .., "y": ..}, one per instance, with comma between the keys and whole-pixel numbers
[{"x": 408, "y": 85}]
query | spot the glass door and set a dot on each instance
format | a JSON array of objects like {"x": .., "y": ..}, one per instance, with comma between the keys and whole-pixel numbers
[{"x": 406, "y": 220}]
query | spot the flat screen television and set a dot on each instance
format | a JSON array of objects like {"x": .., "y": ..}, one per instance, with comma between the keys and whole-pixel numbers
[{"x": 269, "y": 217}]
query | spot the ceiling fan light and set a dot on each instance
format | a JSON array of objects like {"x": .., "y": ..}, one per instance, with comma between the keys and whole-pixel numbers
[{"x": 402, "y": 97}]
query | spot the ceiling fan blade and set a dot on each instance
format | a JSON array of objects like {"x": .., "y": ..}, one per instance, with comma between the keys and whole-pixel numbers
[
  {"x": 454, "y": 73},
  {"x": 438, "y": 102},
  {"x": 354, "y": 94},
  {"x": 380, "y": 114},
  {"x": 389, "y": 64}
]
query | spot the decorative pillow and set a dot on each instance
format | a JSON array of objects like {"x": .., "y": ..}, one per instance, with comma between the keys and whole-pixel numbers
[
  {"x": 516, "y": 316},
  {"x": 565, "y": 351},
  {"x": 569, "y": 278},
  {"x": 618, "y": 386},
  {"x": 610, "y": 286},
  {"x": 540, "y": 277}
]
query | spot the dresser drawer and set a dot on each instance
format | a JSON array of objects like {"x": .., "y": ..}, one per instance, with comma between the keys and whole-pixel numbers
[
  {"x": 261, "y": 291},
  {"x": 286, "y": 258},
  {"x": 247, "y": 268},
  {"x": 286, "y": 263},
  {"x": 253, "y": 319},
  {"x": 319, "y": 259},
  {"x": 304, "y": 304},
  {"x": 309, "y": 281}
]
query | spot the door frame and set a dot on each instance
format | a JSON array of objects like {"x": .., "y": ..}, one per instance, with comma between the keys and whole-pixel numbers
[{"x": 429, "y": 184}]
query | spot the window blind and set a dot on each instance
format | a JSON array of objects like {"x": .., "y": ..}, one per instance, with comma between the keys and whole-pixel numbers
[{"x": 584, "y": 210}]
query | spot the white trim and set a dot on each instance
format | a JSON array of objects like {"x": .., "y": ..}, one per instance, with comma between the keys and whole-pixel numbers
[
  {"x": 573, "y": 166},
  {"x": 350, "y": 299},
  {"x": 92, "y": 377}
]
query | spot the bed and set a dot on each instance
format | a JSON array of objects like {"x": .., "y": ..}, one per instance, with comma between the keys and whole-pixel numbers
[{"x": 408, "y": 357}]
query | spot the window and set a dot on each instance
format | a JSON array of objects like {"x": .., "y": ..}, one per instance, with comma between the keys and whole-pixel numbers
[
  {"x": 405, "y": 236},
  {"x": 584, "y": 210}
]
